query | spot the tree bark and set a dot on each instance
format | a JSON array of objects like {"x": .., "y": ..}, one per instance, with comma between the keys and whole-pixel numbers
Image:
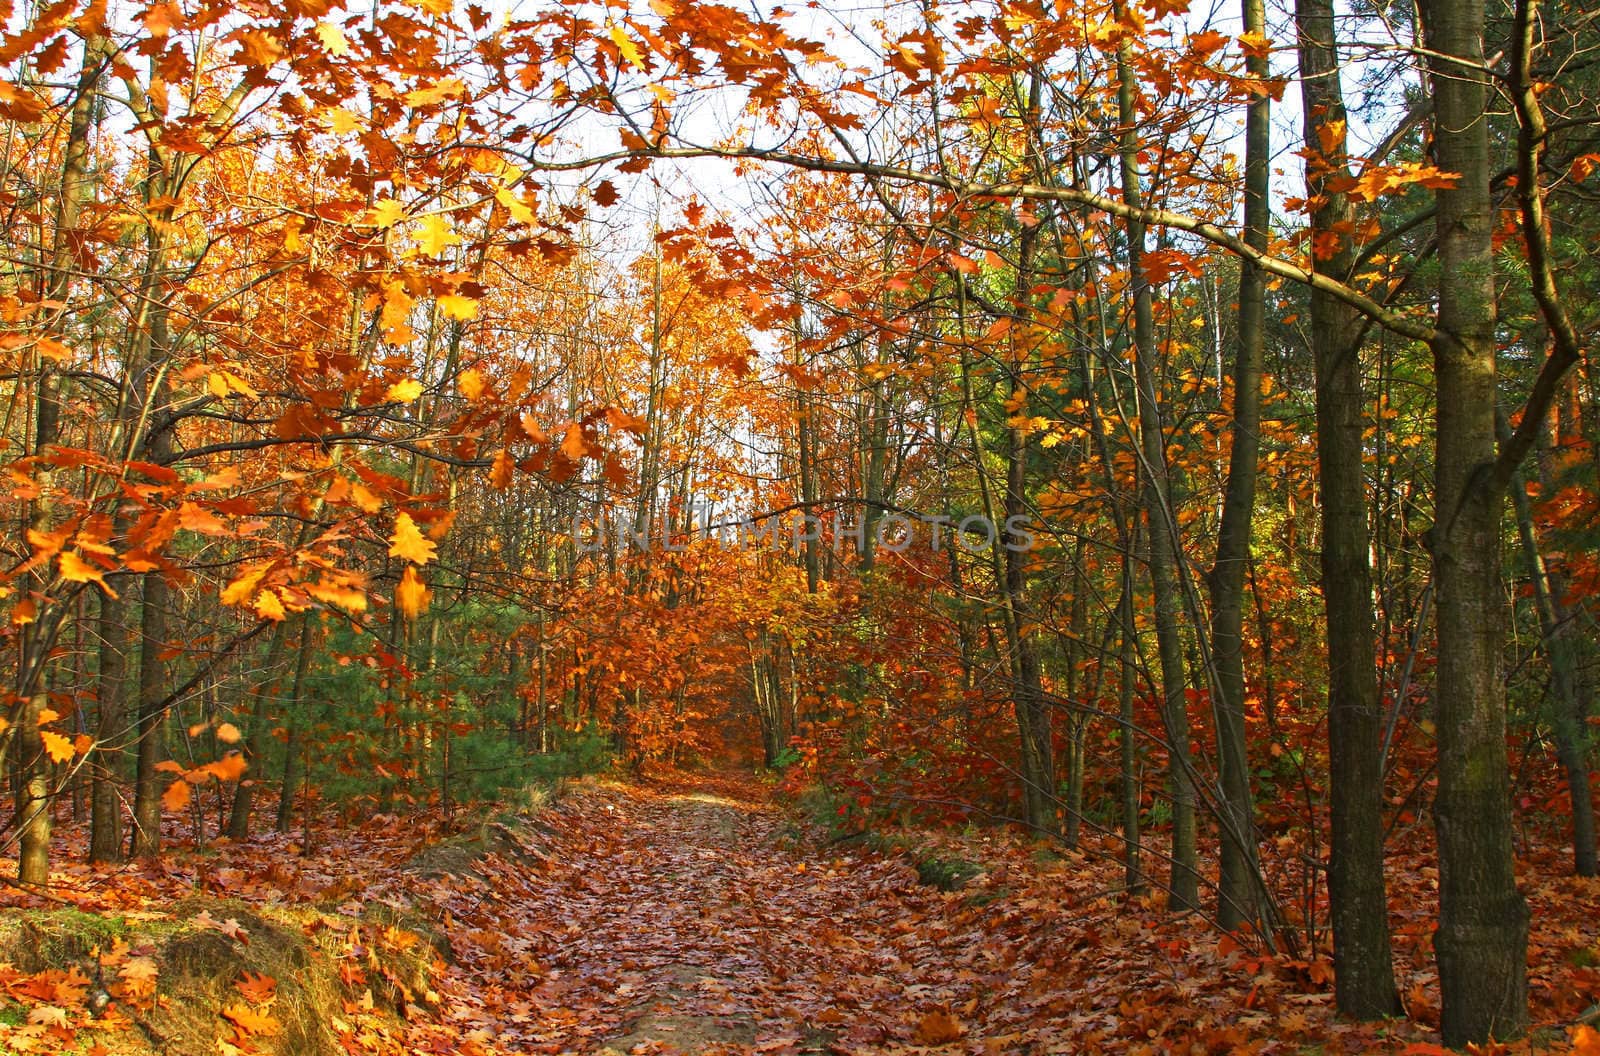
[
  {"x": 1482, "y": 939},
  {"x": 1239, "y": 900},
  {"x": 1183, "y": 886},
  {"x": 1364, "y": 985}
]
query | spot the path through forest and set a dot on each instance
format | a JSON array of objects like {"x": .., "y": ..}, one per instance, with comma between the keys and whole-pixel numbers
[
  {"x": 701, "y": 920},
  {"x": 699, "y": 917}
]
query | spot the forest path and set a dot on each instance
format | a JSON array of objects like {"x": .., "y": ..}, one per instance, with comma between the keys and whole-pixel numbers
[{"x": 698, "y": 919}]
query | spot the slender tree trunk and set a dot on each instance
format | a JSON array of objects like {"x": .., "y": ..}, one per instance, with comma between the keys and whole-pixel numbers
[
  {"x": 105, "y": 826},
  {"x": 33, "y": 796},
  {"x": 152, "y": 716},
  {"x": 291, "y": 750},
  {"x": 1363, "y": 963},
  {"x": 1239, "y": 900},
  {"x": 1184, "y": 882},
  {"x": 1568, "y": 718},
  {"x": 1482, "y": 941},
  {"x": 256, "y": 738}
]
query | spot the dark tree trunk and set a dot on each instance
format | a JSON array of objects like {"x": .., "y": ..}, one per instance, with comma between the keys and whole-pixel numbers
[
  {"x": 1183, "y": 887},
  {"x": 1482, "y": 941},
  {"x": 1363, "y": 962},
  {"x": 1240, "y": 898}
]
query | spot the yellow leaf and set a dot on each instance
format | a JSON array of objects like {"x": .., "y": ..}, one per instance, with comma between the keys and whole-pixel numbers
[
  {"x": 404, "y": 391},
  {"x": 626, "y": 47},
  {"x": 573, "y": 445},
  {"x": 176, "y": 797},
  {"x": 249, "y": 1021},
  {"x": 229, "y": 768},
  {"x": 242, "y": 588},
  {"x": 457, "y": 307},
  {"x": 366, "y": 498},
  {"x": 75, "y": 569},
  {"x": 408, "y": 542},
  {"x": 437, "y": 235},
  {"x": 269, "y": 606},
  {"x": 332, "y": 38},
  {"x": 471, "y": 384},
  {"x": 500, "y": 475},
  {"x": 199, "y": 519},
  {"x": 412, "y": 594},
  {"x": 57, "y": 747},
  {"x": 346, "y": 596},
  {"x": 519, "y": 210},
  {"x": 228, "y": 733},
  {"x": 386, "y": 213}
]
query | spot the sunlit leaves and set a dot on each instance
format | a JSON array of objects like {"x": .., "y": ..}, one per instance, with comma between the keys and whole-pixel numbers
[
  {"x": 60, "y": 749},
  {"x": 404, "y": 391},
  {"x": 408, "y": 543},
  {"x": 411, "y": 594},
  {"x": 455, "y": 306}
]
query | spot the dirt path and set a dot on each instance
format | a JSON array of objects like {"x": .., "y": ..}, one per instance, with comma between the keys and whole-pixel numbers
[{"x": 694, "y": 921}]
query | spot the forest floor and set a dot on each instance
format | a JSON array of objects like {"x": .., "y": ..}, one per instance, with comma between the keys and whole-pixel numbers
[{"x": 694, "y": 916}]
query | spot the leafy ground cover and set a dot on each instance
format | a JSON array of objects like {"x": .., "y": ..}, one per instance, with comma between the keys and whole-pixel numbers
[{"x": 697, "y": 915}]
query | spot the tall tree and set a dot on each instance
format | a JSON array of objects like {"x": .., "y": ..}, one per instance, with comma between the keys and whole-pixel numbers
[
  {"x": 1363, "y": 963},
  {"x": 1482, "y": 941}
]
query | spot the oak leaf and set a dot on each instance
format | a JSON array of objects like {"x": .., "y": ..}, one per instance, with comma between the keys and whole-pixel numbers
[{"x": 408, "y": 543}]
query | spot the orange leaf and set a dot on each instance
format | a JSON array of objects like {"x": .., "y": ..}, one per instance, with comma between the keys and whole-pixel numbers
[
  {"x": 257, "y": 989},
  {"x": 938, "y": 1027},
  {"x": 471, "y": 384},
  {"x": 412, "y": 595},
  {"x": 249, "y": 1021},
  {"x": 75, "y": 569},
  {"x": 176, "y": 797},
  {"x": 56, "y": 746},
  {"x": 408, "y": 543}
]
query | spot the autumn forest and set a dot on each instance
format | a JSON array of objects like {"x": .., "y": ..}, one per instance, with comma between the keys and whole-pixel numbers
[{"x": 1009, "y": 526}]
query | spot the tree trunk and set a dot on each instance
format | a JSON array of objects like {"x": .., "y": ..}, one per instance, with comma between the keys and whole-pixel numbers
[
  {"x": 1183, "y": 888},
  {"x": 256, "y": 738},
  {"x": 105, "y": 825},
  {"x": 291, "y": 749},
  {"x": 1239, "y": 895},
  {"x": 1363, "y": 963},
  {"x": 1569, "y": 713},
  {"x": 1482, "y": 939}
]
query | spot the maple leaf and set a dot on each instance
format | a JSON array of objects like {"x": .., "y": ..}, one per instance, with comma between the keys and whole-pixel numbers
[
  {"x": 406, "y": 391},
  {"x": 249, "y": 1021},
  {"x": 332, "y": 38},
  {"x": 177, "y": 796},
  {"x": 408, "y": 543},
  {"x": 471, "y": 384},
  {"x": 49, "y": 1016},
  {"x": 75, "y": 569},
  {"x": 269, "y": 606},
  {"x": 454, "y": 306},
  {"x": 58, "y": 748},
  {"x": 412, "y": 594},
  {"x": 437, "y": 235},
  {"x": 256, "y": 989}
]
